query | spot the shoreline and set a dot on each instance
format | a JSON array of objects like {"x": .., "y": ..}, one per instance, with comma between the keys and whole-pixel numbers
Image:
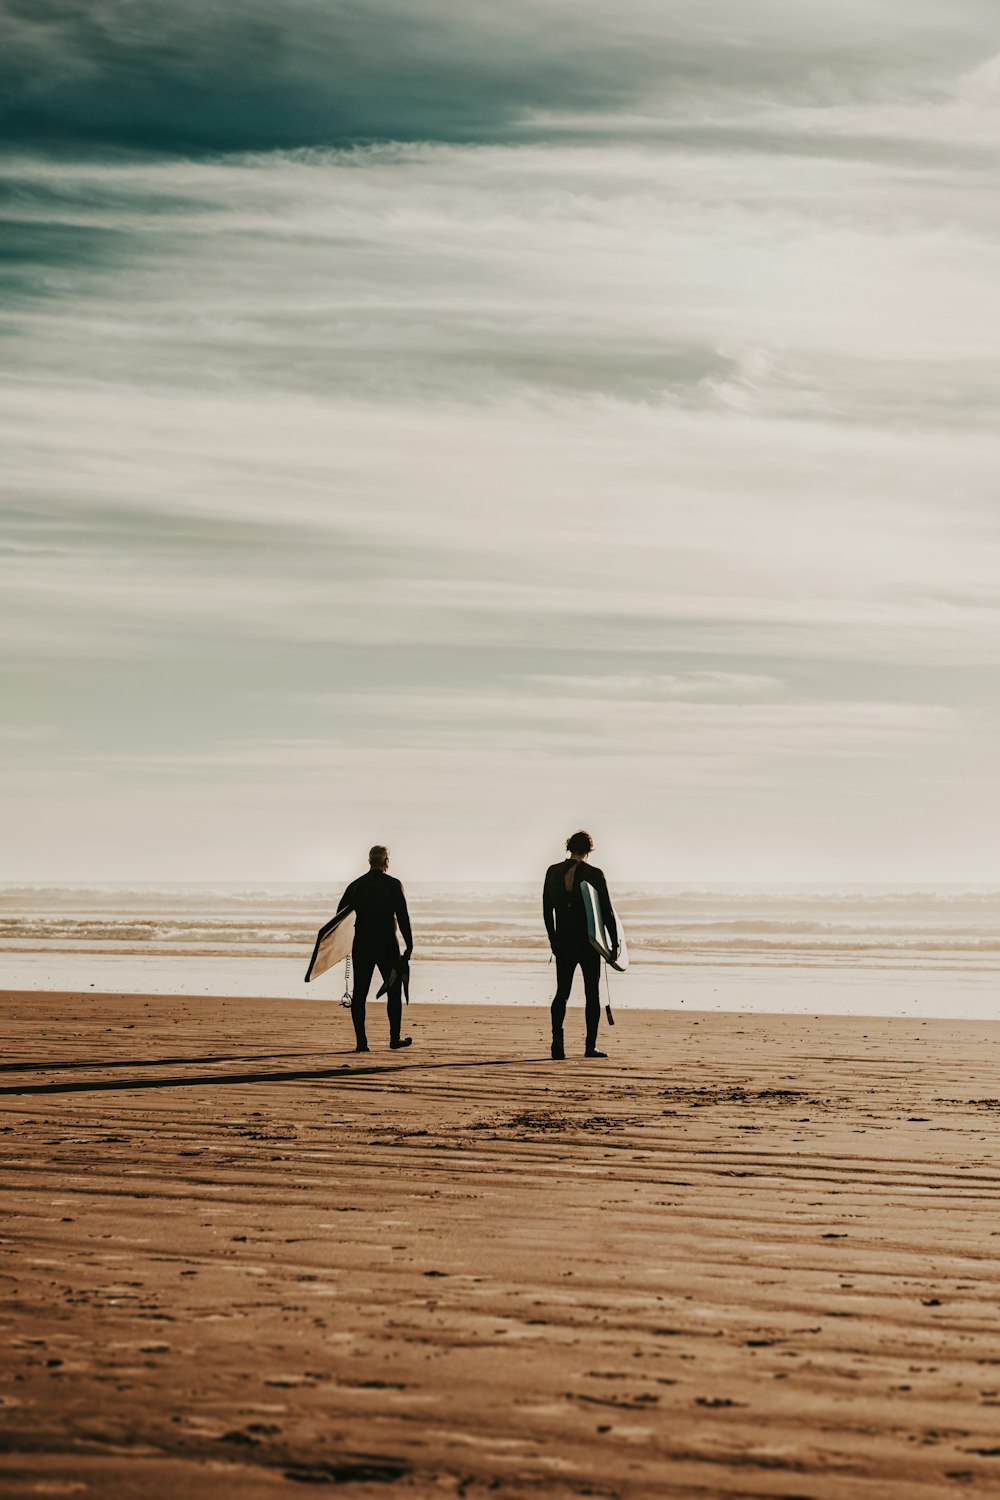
[{"x": 928, "y": 992}]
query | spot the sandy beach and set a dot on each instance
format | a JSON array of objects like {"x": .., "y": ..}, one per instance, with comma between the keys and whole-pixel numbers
[{"x": 746, "y": 1256}]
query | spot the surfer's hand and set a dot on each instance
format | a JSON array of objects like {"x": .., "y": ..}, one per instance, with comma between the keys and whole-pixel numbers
[{"x": 407, "y": 955}]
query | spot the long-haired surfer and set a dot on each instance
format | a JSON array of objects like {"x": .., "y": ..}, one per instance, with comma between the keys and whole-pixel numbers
[
  {"x": 566, "y": 924},
  {"x": 379, "y": 904}
]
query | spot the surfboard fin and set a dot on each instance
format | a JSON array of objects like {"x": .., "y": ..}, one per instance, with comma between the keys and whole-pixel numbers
[{"x": 402, "y": 973}]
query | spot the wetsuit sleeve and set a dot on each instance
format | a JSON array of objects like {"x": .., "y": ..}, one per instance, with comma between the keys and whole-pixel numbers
[
  {"x": 549, "y": 909},
  {"x": 611, "y": 926},
  {"x": 403, "y": 918},
  {"x": 347, "y": 899}
]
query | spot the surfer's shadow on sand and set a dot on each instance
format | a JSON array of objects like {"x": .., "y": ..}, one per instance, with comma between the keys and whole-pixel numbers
[
  {"x": 58, "y": 1066},
  {"x": 342, "y": 1073}
]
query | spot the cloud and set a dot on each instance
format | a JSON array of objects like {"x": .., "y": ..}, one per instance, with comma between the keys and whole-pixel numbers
[
  {"x": 626, "y": 728},
  {"x": 980, "y": 86},
  {"x": 176, "y": 75},
  {"x": 828, "y": 292},
  {"x": 579, "y": 526},
  {"x": 684, "y": 687}
]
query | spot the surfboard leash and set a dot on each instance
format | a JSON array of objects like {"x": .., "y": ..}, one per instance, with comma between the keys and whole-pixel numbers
[
  {"x": 607, "y": 987},
  {"x": 346, "y": 998}
]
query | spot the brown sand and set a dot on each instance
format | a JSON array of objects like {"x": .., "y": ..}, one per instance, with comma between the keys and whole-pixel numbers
[{"x": 747, "y": 1256}]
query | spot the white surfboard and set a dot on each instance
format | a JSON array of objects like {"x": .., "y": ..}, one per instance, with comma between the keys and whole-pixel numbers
[
  {"x": 333, "y": 944},
  {"x": 598, "y": 933}
]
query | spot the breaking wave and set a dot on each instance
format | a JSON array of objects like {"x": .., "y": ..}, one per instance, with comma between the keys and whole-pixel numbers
[{"x": 920, "y": 926}]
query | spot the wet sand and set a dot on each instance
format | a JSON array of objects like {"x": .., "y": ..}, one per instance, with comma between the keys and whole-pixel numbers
[{"x": 746, "y": 1256}]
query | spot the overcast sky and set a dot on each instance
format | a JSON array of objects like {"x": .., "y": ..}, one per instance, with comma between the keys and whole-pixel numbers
[{"x": 450, "y": 423}]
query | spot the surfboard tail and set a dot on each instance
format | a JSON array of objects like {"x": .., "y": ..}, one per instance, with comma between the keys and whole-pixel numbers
[
  {"x": 333, "y": 944},
  {"x": 597, "y": 931}
]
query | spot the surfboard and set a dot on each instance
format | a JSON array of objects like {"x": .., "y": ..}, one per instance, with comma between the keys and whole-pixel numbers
[
  {"x": 333, "y": 943},
  {"x": 598, "y": 933}
]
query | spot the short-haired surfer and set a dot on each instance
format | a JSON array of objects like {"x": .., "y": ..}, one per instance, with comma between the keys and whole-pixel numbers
[
  {"x": 379, "y": 905},
  {"x": 566, "y": 924}
]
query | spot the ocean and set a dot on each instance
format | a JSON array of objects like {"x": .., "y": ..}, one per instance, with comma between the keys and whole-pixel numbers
[{"x": 825, "y": 949}]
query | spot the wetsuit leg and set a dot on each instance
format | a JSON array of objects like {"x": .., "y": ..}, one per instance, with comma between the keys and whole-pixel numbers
[
  {"x": 394, "y": 994},
  {"x": 566, "y": 962},
  {"x": 590, "y": 963},
  {"x": 363, "y": 963}
]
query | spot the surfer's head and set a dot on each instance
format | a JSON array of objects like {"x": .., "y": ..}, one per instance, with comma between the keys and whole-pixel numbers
[
  {"x": 579, "y": 844},
  {"x": 378, "y": 857}
]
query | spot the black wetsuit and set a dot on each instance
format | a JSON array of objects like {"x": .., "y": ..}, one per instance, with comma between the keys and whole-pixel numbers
[
  {"x": 379, "y": 904},
  {"x": 566, "y": 925}
]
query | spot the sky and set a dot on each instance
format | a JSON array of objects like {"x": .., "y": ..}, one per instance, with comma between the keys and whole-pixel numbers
[{"x": 450, "y": 424}]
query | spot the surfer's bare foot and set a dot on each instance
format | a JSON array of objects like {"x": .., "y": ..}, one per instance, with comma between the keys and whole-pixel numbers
[
  {"x": 558, "y": 1051},
  {"x": 401, "y": 1041},
  {"x": 362, "y": 1047},
  {"x": 593, "y": 1052}
]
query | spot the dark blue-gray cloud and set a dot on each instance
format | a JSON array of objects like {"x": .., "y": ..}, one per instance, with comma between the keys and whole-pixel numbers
[
  {"x": 178, "y": 75},
  {"x": 254, "y": 75}
]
